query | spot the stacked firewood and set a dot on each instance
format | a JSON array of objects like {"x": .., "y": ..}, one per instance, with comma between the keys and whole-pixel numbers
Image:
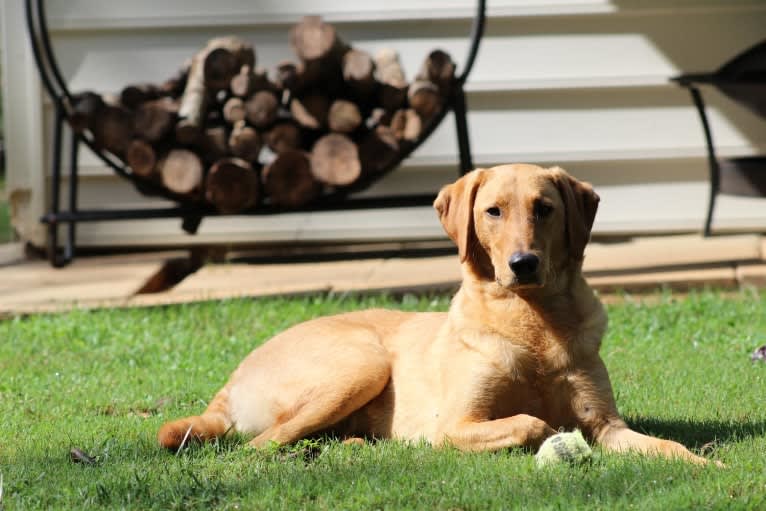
[{"x": 225, "y": 132}]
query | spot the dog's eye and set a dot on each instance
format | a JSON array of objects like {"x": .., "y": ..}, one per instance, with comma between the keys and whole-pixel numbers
[
  {"x": 494, "y": 211},
  {"x": 542, "y": 210}
]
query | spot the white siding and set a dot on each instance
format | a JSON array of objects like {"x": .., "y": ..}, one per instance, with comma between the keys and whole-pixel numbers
[{"x": 580, "y": 83}]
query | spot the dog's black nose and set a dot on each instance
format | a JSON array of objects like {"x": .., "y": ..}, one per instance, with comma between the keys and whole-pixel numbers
[{"x": 524, "y": 264}]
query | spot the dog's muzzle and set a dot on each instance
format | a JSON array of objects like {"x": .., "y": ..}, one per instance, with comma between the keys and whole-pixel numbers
[{"x": 525, "y": 266}]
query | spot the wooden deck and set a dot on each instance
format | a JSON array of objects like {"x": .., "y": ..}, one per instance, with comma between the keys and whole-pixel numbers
[{"x": 147, "y": 279}]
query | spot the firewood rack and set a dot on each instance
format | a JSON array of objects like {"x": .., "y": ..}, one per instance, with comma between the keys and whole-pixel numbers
[{"x": 191, "y": 215}]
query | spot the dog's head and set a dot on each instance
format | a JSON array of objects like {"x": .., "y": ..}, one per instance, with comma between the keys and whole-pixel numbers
[{"x": 518, "y": 225}]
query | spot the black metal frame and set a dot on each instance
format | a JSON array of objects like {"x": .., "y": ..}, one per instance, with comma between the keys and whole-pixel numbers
[
  {"x": 192, "y": 214},
  {"x": 692, "y": 82}
]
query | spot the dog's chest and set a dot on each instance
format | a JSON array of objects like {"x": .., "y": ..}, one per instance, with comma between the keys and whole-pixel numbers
[{"x": 532, "y": 380}]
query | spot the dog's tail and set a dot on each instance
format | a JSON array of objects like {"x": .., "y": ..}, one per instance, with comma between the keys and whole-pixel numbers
[{"x": 213, "y": 423}]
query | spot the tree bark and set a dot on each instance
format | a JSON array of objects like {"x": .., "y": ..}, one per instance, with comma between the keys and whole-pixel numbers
[
  {"x": 288, "y": 180},
  {"x": 84, "y": 109},
  {"x": 378, "y": 150},
  {"x": 248, "y": 81},
  {"x": 155, "y": 119},
  {"x": 133, "y": 95},
  {"x": 192, "y": 110},
  {"x": 358, "y": 72},
  {"x": 112, "y": 129},
  {"x": 215, "y": 144},
  {"x": 224, "y": 57},
  {"x": 438, "y": 69}
]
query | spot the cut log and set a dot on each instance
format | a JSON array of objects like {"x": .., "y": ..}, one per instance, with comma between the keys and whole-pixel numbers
[
  {"x": 181, "y": 172},
  {"x": 141, "y": 158},
  {"x": 311, "y": 111},
  {"x": 390, "y": 74},
  {"x": 312, "y": 39},
  {"x": 439, "y": 69},
  {"x": 284, "y": 136},
  {"x": 344, "y": 116},
  {"x": 358, "y": 72},
  {"x": 192, "y": 110},
  {"x": 155, "y": 119},
  {"x": 234, "y": 110},
  {"x": 112, "y": 129},
  {"x": 261, "y": 109},
  {"x": 215, "y": 144},
  {"x": 288, "y": 181},
  {"x": 321, "y": 52},
  {"x": 335, "y": 160},
  {"x": 133, "y": 95},
  {"x": 224, "y": 58},
  {"x": 248, "y": 81},
  {"x": 245, "y": 142},
  {"x": 425, "y": 99},
  {"x": 84, "y": 108},
  {"x": 232, "y": 185},
  {"x": 378, "y": 151},
  {"x": 406, "y": 125}
]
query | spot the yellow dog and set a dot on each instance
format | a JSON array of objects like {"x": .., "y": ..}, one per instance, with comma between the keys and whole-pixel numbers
[{"x": 514, "y": 359}]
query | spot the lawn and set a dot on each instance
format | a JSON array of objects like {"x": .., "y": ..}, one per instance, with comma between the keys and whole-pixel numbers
[{"x": 104, "y": 381}]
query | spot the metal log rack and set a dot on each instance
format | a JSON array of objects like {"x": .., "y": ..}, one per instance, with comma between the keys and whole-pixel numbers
[{"x": 192, "y": 214}]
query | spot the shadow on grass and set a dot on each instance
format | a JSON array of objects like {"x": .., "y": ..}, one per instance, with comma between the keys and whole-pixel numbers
[{"x": 696, "y": 434}]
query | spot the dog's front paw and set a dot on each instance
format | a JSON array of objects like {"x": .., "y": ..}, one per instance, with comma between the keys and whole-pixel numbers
[{"x": 536, "y": 431}]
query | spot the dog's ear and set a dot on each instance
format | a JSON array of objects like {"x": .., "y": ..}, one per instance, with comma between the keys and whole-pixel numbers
[
  {"x": 581, "y": 203},
  {"x": 455, "y": 207}
]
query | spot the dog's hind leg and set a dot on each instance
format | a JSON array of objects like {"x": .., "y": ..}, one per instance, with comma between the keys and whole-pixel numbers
[
  {"x": 213, "y": 423},
  {"x": 341, "y": 392}
]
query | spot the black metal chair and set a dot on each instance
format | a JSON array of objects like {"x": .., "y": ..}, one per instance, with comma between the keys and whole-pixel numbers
[
  {"x": 742, "y": 79},
  {"x": 192, "y": 214}
]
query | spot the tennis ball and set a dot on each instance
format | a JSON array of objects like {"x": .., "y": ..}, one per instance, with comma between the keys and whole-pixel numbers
[{"x": 568, "y": 447}]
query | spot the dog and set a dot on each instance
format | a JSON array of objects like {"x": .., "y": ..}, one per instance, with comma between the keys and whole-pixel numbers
[{"x": 515, "y": 358}]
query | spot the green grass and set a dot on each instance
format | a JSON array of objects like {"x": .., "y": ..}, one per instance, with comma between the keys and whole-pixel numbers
[{"x": 104, "y": 381}]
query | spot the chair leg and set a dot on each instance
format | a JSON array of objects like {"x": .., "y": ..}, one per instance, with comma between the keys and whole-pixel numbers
[{"x": 712, "y": 160}]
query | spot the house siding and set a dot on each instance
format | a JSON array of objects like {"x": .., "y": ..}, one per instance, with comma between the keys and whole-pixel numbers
[{"x": 581, "y": 84}]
